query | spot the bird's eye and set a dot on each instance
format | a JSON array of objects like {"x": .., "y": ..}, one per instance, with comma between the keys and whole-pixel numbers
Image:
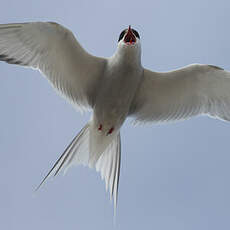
[
  {"x": 122, "y": 35},
  {"x": 136, "y": 33}
]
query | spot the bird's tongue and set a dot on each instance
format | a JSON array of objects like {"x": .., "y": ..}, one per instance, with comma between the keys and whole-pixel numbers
[{"x": 130, "y": 37}]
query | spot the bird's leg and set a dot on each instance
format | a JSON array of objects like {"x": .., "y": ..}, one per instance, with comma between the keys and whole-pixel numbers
[
  {"x": 100, "y": 127},
  {"x": 110, "y": 131}
]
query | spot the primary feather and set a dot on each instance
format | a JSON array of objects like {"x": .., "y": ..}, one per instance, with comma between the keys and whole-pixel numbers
[
  {"x": 183, "y": 93},
  {"x": 54, "y": 51}
]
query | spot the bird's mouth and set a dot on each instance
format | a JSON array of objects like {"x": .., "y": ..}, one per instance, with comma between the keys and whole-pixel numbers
[{"x": 130, "y": 37}]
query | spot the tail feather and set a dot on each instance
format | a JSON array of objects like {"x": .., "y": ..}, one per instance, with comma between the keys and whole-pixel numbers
[
  {"x": 86, "y": 152},
  {"x": 109, "y": 167},
  {"x": 66, "y": 159}
]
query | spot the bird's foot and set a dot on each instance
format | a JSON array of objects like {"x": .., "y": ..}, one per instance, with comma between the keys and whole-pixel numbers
[
  {"x": 100, "y": 127},
  {"x": 110, "y": 131}
]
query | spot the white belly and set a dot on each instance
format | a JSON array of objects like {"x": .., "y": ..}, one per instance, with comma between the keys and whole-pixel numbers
[{"x": 114, "y": 98}]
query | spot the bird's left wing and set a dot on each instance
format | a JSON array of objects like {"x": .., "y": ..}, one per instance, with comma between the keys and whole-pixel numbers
[
  {"x": 183, "y": 93},
  {"x": 54, "y": 51}
]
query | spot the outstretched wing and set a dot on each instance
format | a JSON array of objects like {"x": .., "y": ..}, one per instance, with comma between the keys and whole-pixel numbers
[
  {"x": 183, "y": 93},
  {"x": 53, "y": 49}
]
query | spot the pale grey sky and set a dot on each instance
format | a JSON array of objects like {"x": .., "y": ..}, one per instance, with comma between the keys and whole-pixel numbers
[{"x": 173, "y": 176}]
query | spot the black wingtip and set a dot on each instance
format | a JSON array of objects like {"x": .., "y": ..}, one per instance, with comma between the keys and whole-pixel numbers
[
  {"x": 9, "y": 60},
  {"x": 216, "y": 67}
]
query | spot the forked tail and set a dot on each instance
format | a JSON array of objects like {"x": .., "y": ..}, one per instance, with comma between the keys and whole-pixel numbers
[{"x": 81, "y": 151}]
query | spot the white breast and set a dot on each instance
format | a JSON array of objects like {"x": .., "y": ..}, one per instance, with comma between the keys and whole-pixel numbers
[{"x": 116, "y": 93}]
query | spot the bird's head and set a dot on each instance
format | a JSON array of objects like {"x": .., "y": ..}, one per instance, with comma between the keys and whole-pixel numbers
[
  {"x": 129, "y": 43},
  {"x": 129, "y": 37}
]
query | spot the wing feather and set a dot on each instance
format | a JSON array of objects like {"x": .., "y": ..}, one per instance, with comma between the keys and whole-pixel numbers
[
  {"x": 54, "y": 51},
  {"x": 183, "y": 93}
]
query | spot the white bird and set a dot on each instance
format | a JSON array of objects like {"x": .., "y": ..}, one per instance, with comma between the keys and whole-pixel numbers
[{"x": 114, "y": 88}]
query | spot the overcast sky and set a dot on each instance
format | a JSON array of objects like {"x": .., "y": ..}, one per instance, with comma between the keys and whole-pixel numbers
[{"x": 173, "y": 176}]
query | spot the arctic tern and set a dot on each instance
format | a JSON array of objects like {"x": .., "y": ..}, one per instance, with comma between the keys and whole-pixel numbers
[{"x": 113, "y": 88}]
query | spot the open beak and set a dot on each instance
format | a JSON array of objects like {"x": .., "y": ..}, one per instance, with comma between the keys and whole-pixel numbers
[{"x": 130, "y": 37}]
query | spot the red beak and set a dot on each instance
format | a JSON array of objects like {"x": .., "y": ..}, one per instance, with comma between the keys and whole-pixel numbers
[{"x": 130, "y": 37}]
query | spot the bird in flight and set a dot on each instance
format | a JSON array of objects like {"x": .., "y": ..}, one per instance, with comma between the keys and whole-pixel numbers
[{"x": 113, "y": 88}]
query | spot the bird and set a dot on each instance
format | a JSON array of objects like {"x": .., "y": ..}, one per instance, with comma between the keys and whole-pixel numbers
[{"x": 113, "y": 88}]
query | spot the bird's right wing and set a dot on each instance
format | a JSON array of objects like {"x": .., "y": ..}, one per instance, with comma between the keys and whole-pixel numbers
[
  {"x": 53, "y": 49},
  {"x": 183, "y": 93}
]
